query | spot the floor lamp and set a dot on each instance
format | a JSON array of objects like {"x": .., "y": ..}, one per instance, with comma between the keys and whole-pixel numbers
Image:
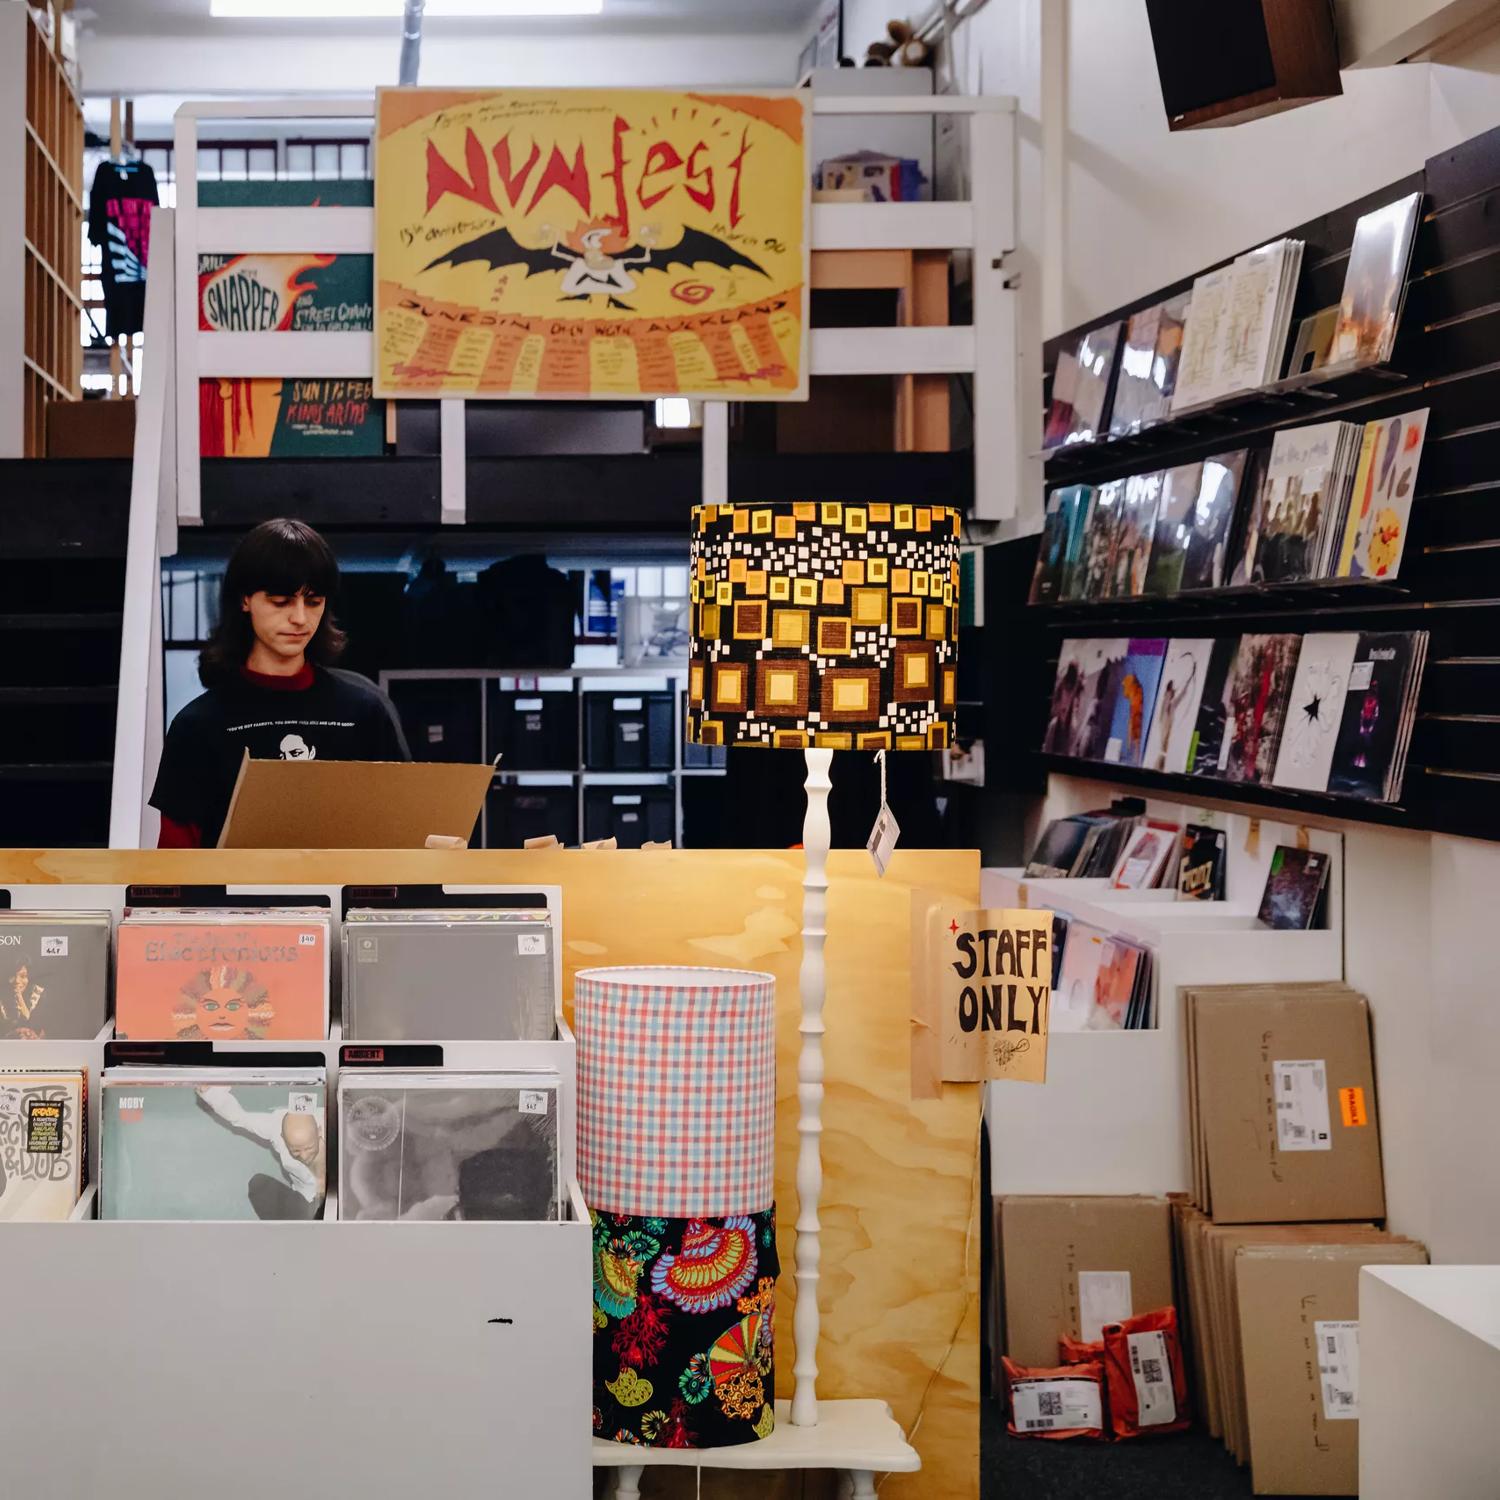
[{"x": 820, "y": 627}]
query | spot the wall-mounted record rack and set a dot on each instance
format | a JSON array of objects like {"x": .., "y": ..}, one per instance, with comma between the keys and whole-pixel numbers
[{"x": 1447, "y": 358}]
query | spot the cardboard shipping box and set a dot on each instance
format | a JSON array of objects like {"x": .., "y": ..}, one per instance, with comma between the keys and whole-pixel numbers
[
  {"x": 1285, "y": 1099},
  {"x": 1299, "y": 1328},
  {"x": 1070, "y": 1265}
]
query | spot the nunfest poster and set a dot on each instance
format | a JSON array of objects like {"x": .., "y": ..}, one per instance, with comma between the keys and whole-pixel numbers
[{"x": 608, "y": 243}]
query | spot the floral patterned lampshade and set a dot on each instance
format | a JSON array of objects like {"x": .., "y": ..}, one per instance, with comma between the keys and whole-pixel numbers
[{"x": 824, "y": 625}]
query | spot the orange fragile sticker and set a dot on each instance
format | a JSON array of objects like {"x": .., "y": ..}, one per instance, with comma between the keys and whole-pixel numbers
[{"x": 1352, "y": 1106}]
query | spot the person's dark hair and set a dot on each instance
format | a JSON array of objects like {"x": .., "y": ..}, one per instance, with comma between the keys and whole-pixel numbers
[{"x": 279, "y": 557}]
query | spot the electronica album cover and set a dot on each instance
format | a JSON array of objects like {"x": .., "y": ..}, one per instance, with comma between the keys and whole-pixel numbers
[
  {"x": 1376, "y": 712},
  {"x": 1133, "y": 700},
  {"x": 1174, "y": 525},
  {"x": 1137, "y": 528},
  {"x": 223, "y": 980},
  {"x": 1208, "y": 733},
  {"x": 460, "y": 975},
  {"x": 1255, "y": 700},
  {"x": 1319, "y": 692},
  {"x": 1380, "y": 507},
  {"x": 43, "y": 1144},
  {"x": 1375, "y": 283},
  {"x": 1294, "y": 887},
  {"x": 1201, "y": 870},
  {"x": 1206, "y": 555},
  {"x": 1088, "y": 676},
  {"x": 448, "y": 1145},
  {"x": 54, "y": 974},
  {"x": 190, "y": 1143},
  {"x": 1169, "y": 746}
]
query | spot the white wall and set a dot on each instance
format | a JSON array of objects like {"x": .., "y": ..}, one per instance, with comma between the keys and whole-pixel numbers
[{"x": 1142, "y": 207}]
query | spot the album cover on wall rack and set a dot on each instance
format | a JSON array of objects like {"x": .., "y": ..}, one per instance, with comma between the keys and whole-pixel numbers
[
  {"x": 1100, "y": 542},
  {"x": 1206, "y": 557},
  {"x": 1094, "y": 382},
  {"x": 1314, "y": 345},
  {"x": 1132, "y": 700},
  {"x": 43, "y": 1143},
  {"x": 1062, "y": 538},
  {"x": 467, "y": 974},
  {"x": 1169, "y": 746},
  {"x": 1056, "y": 854},
  {"x": 1320, "y": 690},
  {"x": 1374, "y": 536},
  {"x": 1255, "y": 700},
  {"x": 438, "y": 1145},
  {"x": 1380, "y": 705},
  {"x": 1207, "y": 748},
  {"x": 1201, "y": 869},
  {"x": 1137, "y": 529},
  {"x": 1083, "y": 693},
  {"x": 1306, "y": 482},
  {"x": 54, "y": 974},
  {"x": 205, "y": 1143},
  {"x": 1180, "y": 489},
  {"x": 1148, "y": 366},
  {"x": 1375, "y": 283},
  {"x": 1294, "y": 887}
]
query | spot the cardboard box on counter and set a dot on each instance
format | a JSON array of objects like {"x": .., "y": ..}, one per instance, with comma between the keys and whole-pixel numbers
[{"x": 1070, "y": 1265}]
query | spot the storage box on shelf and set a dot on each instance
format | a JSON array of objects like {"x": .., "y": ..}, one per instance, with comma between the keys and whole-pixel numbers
[
  {"x": 331, "y": 1295},
  {"x": 586, "y": 753},
  {"x": 1114, "y": 1110}
]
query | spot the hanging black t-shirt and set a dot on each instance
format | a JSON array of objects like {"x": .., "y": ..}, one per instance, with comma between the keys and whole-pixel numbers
[
  {"x": 339, "y": 716},
  {"x": 120, "y": 224}
]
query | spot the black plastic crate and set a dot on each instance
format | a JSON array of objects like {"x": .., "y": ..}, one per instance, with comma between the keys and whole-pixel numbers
[
  {"x": 440, "y": 717},
  {"x": 533, "y": 731},
  {"x": 628, "y": 732},
  {"x": 518, "y": 813},
  {"x": 634, "y": 815}
]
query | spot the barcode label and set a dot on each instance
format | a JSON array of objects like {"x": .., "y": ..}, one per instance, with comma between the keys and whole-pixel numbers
[
  {"x": 1149, "y": 1369},
  {"x": 1056, "y": 1405},
  {"x": 1302, "y": 1119},
  {"x": 1338, "y": 1369}
]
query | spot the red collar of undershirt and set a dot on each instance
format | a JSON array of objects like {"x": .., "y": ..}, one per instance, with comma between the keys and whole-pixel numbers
[{"x": 298, "y": 682}]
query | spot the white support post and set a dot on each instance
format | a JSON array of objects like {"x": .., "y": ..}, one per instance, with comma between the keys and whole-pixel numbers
[
  {"x": 185, "y": 281},
  {"x": 715, "y": 452},
  {"x": 816, "y": 837},
  {"x": 453, "y": 471},
  {"x": 998, "y": 456},
  {"x": 139, "y": 709}
]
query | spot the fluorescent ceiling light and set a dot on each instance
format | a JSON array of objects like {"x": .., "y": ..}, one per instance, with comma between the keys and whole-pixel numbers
[{"x": 327, "y": 10}]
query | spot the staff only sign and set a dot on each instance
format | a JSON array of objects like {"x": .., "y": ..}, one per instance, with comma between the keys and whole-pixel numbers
[
  {"x": 609, "y": 243},
  {"x": 994, "y": 991}
]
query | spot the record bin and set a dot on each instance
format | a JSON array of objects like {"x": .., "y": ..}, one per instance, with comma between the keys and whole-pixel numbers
[
  {"x": 532, "y": 725},
  {"x": 633, "y": 815},
  {"x": 631, "y": 732}
]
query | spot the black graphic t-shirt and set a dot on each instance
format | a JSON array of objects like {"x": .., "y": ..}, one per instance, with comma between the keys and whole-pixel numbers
[
  {"x": 338, "y": 716},
  {"x": 120, "y": 224}
]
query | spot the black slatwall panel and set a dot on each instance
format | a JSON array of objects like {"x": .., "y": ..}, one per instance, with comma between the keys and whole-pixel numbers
[{"x": 1447, "y": 357}]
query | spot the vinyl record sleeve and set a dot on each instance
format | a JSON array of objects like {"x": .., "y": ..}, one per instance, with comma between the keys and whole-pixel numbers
[
  {"x": 43, "y": 1143},
  {"x": 54, "y": 974}
]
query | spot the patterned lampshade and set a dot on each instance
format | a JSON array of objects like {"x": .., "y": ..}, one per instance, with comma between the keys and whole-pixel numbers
[{"x": 824, "y": 625}]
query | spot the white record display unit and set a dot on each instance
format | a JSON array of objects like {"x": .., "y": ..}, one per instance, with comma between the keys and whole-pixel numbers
[
  {"x": 328, "y": 1357},
  {"x": 1114, "y": 1111}
]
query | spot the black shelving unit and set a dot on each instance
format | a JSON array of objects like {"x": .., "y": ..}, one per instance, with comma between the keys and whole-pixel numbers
[{"x": 1447, "y": 358}]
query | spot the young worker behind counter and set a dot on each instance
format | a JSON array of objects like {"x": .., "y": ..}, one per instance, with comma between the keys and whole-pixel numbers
[{"x": 273, "y": 688}]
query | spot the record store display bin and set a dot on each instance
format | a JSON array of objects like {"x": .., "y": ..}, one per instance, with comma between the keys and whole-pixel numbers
[{"x": 468, "y": 1340}]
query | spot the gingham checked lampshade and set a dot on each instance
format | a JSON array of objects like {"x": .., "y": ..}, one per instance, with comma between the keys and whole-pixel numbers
[{"x": 824, "y": 624}]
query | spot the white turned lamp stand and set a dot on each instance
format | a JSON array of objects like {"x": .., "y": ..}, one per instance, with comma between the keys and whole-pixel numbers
[{"x": 858, "y": 1438}]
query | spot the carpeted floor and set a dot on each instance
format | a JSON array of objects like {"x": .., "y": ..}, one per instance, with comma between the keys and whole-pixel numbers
[{"x": 1190, "y": 1466}]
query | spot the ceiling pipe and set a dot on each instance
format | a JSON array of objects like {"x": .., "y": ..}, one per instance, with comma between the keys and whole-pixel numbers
[{"x": 411, "y": 41}]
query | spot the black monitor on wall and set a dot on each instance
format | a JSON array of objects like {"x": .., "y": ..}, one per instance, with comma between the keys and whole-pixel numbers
[{"x": 1228, "y": 61}]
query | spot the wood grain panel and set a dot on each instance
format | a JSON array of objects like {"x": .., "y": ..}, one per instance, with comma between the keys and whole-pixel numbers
[{"x": 900, "y": 1293}]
